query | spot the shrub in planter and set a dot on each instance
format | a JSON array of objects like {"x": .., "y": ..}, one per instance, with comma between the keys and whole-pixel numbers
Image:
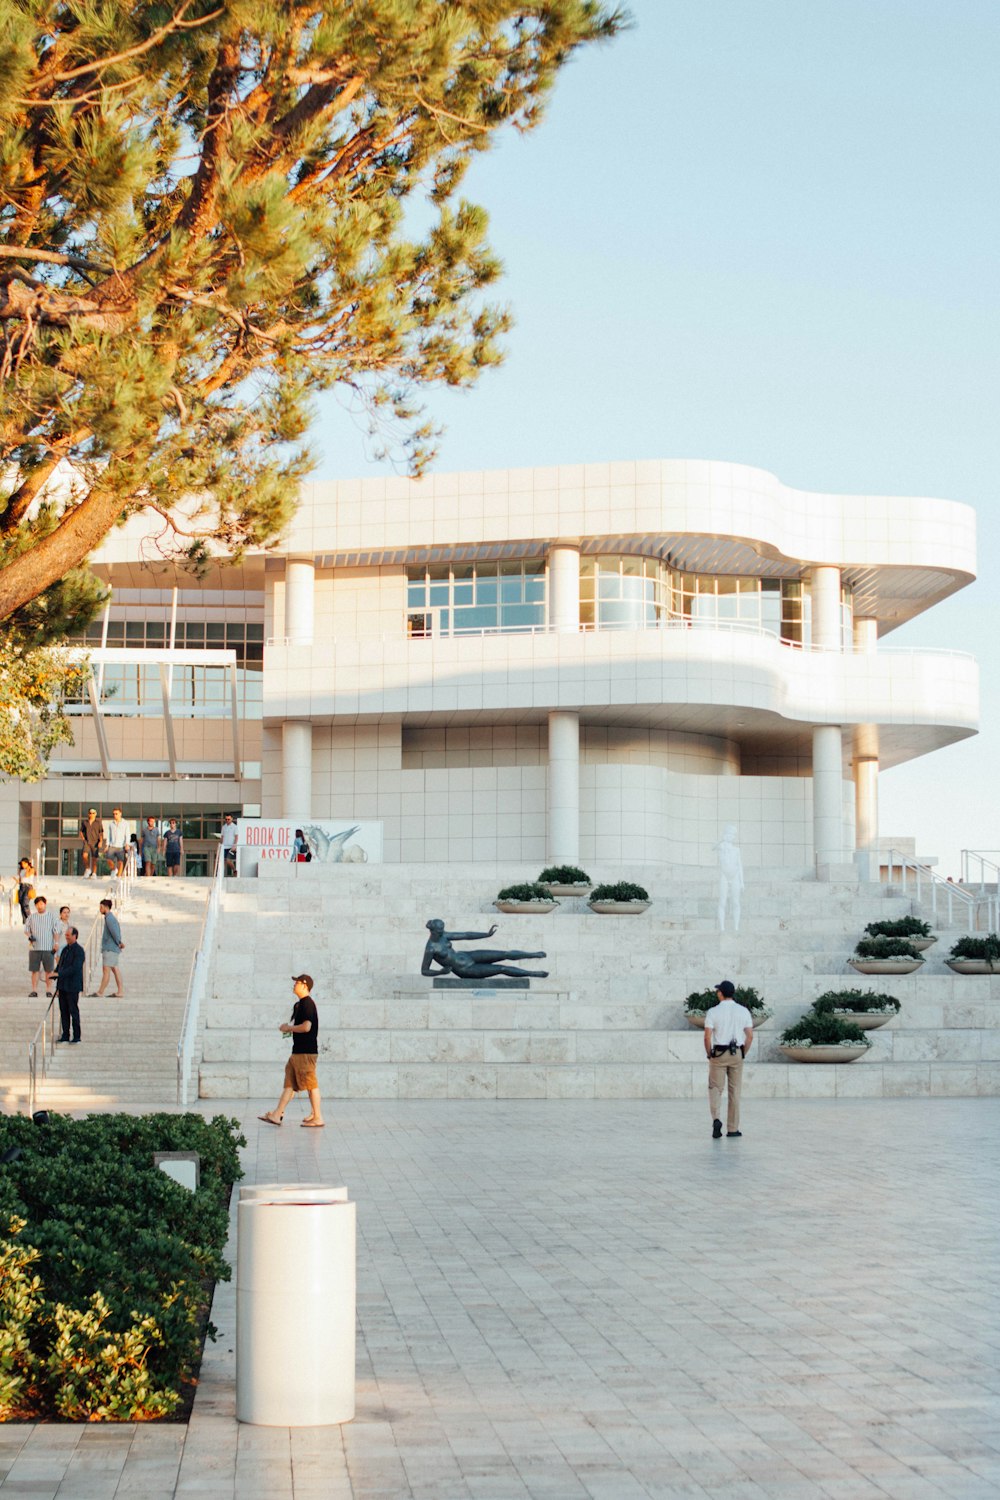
[
  {"x": 527, "y": 891},
  {"x": 106, "y": 1264},
  {"x": 823, "y": 1031},
  {"x": 858, "y": 1001},
  {"x": 885, "y": 947},
  {"x": 564, "y": 875},
  {"x": 899, "y": 927},
  {"x": 701, "y": 1001},
  {"x": 986, "y": 948},
  {"x": 621, "y": 890}
]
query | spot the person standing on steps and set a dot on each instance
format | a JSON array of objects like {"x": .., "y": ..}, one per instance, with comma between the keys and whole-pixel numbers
[
  {"x": 230, "y": 839},
  {"x": 40, "y": 930},
  {"x": 728, "y": 1037},
  {"x": 119, "y": 836},
  {"x": 69, "y": 983},
  {"x": 149, "y": 847},
  {"x": 173, "y": 847},
  {"x": 60, "y": 933},
  {"x": 300, "y": 1070},
  {"x": 112, "y": 948},
  {"x": 92, "y": 839}
]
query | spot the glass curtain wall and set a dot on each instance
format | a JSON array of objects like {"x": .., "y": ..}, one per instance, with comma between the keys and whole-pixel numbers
[
  {"x": 199, "y": 825},
  {"x": 475, "y": 598}
]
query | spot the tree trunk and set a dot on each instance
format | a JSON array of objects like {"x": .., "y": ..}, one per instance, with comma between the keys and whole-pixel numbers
[{"x": 53, "y": 556}]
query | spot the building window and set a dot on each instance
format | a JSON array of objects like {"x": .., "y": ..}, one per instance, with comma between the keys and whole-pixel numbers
[{"x": 475, "y": 598}]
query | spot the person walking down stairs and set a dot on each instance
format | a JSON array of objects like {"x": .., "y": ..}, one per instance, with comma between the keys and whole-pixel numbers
[
  {"x": 69, "y": 983},
  {"x": 40, "y": 930},
  {"x": 112, "y": 948}
]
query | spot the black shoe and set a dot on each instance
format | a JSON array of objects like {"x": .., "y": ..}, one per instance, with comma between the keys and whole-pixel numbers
[
  {"x": 731, "y": 1133},
  {"x": 74, "y": 1041},
  {"x": 61, "y": 1039},
  {"x": 716, "y": 1129}
]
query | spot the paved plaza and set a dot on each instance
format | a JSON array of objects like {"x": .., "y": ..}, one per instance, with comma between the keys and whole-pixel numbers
[{"x": 596, "y": 1300}]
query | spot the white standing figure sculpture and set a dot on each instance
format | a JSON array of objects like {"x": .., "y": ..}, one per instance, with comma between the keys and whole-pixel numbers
[{"x": 730, "y": 876}]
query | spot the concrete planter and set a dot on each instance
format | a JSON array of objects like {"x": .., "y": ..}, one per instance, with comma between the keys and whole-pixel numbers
[
  {"x": 619, "y": 908},
  {"x": 973, "y": 965},
  {"x": 885, "y": 965},
  {"x": 866, "y": 1019},
  {"x": 697, "y": 1018},
  {"x": 582, "y": 890},
  {"x": 845, "y": 1053},
  {"x": 525, "y": 908},
  {"x": 921, "y": 943}
]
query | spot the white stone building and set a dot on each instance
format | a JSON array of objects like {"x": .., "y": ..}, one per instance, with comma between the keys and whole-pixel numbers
[{"x": 601, "y": 664}]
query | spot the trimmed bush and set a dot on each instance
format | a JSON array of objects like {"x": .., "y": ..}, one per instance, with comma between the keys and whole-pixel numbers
[
  {"x": 900, "y": 927},
  {"x": 977, "y": 947},
  {"x": 564, "y": 875},
  {"x": 885, "y": 947},
  {"x": 529, "y": 891},
  {"x": 623, "y": 890},
  {"x": 700, "y": 1001},
  {"x": 823, "y": 1031},
  {"x": 106, "y": 1264},
  {"x": 859, "y": 1001}
]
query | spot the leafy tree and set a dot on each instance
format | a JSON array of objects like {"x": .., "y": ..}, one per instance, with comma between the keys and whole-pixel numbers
[{"x": 203, "y": 222}]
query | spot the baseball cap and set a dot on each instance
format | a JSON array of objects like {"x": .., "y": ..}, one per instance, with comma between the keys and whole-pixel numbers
[
  {"x": 725, "y": 988},
  {"x": 302, "y": 979}
]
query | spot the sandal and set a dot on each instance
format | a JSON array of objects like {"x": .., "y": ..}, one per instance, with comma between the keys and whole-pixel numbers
[
  {"x": 313, "y": 1124},
  {"x": 269, "y": 1119}
]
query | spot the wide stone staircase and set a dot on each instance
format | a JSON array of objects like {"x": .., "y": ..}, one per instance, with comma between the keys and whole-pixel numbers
[
  {"x": 607, "y": 1023},
  {"x": 128, "y": 1054}
]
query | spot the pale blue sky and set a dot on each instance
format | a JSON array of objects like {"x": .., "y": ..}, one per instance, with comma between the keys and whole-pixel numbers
[{"x": 765, "y": 231}]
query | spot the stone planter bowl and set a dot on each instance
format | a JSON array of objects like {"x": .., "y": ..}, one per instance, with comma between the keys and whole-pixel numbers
[
  {"x": 582, "y": 890},
  {"x": 885, "y": 965},
  {"x": 838, "y": 1054},
  {"x": 973, "y": 965},
  {"x": 921, "y": 943},
  {"x": 619, "y": 908},
  {"x": 697, "y": 1018},
  {"x": 866, "y": 1019},
  {"x": 525, "y": 908}
]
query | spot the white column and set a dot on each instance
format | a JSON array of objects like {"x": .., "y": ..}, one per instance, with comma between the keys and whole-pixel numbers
[
  {"x": 866, "y": 766},
  {"x": 564, "y": 788},
  {"x": 828, "y": 776},
  {"x": 824, "y": 589},
  {"x": 296, "y": 769},
  {"x": 564, "y": 588},
  {"x": 865, "y": 804},
  {"x": 300, "y": 588},
  {"x": 865, "y": 634}
]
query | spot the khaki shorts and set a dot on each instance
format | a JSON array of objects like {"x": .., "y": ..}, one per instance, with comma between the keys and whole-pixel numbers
[
  {"x": 300, "y": 1071},
  {"x": 40, "y": 958}
]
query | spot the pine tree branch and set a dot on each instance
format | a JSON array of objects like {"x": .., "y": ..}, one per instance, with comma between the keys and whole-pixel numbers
[
  {"x": 80, "y": 531},
  {"x": 52, "y": 257},
  {"x": 19, "y": 503},
  {"x": 176, "y": 23},
  {"x": 30, "y": 301}
]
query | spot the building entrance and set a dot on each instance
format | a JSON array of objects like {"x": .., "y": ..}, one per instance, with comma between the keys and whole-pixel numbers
[{"x": 200, "y": 827}]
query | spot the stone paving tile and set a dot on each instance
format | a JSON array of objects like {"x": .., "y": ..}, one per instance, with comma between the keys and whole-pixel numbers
[{"x": 596, "y": 1300}]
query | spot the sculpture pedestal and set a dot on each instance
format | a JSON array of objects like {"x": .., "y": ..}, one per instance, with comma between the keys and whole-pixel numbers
[{"x": 501, "y": 982}]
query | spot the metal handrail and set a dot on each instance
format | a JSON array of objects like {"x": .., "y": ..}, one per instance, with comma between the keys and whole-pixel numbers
[
  {"x": 979, "y": 857},
  {"x": 971, "y": 906},
  {"x": 197, "y": 980},
  {"x": 39, "y": 1053}
]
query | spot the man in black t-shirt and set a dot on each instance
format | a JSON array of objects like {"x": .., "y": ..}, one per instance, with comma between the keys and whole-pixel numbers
[{"x": 300, "y": 1070}]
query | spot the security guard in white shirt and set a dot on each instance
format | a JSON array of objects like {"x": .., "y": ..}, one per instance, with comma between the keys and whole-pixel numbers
[{"x": 728, "y": 1036}]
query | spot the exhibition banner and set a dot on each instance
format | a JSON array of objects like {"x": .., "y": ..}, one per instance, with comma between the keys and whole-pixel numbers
[{"x": 331, "y": 842}]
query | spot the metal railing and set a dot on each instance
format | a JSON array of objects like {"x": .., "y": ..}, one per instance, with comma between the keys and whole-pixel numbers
[
  {"x": 120, "y": 888},
  {"x": 977, "y": 912},
  {"x": 974, "y": 860},
  {"x": 43, "y": 1044},
  {"x": 198, "y": 980}
]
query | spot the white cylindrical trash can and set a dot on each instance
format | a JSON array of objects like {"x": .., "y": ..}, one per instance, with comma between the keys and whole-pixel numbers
[
  {"x": 295, "y": 1308},
  {"x": 280, "y": 1192}
]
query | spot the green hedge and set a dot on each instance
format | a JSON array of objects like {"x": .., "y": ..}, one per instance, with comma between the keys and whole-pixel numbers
[
  {"x": 885, "y": 947},
  {"x": 620, "y": 890},
  {"x": 106, "y": 1264},
  {"x": 531, "y": 890},
  {"x": 899, "y": 927}
]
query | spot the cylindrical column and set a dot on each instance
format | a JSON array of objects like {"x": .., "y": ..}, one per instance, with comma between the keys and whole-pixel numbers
[
  {"x": 295, "y": 1310},
  {"x": 865, "y": 634},
  {"x": 564, "y": 787},
  {"x": 296, "y": 769},
  {"x": 564, "y": 588},
  {"x": 300, "y": 589},
  {"x": 865, "y": 804},
  {"x": 824, "y": 589},
  {"x": 828, "y": 776}
]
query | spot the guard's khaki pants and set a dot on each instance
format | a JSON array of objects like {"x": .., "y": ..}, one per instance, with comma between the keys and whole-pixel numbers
[{"x": 719, "y": 1070}]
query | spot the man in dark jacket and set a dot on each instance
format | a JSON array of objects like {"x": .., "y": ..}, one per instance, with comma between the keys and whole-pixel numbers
[{"x": 69, "y": 983}]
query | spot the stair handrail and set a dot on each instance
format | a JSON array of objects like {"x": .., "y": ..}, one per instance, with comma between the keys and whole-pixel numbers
[
  {"x": 39, "y": 1052},
  {"x": 92, "y": 953},
  {"x": 197, "y": 980},
  {"x": 978, "y": 856},
  {"x": 120, "y": 887},
  {"x": 970, "y": 905}
]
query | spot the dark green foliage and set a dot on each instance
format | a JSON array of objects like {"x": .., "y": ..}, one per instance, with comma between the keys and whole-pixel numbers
[
  {"x": 623, "y": 890},
  {"x": 901, "y": 927},
  {"x": 564, "y": 875},
  {"x": 885, "y": 947},
  {"x": 126, "y": 1257},
  {"x": 528, "y": 891},
  {"x": 822, "y": 1030},
  {"x": 987, "y": 947},
  {"x": 859, "y": 1001},
  {"x": 702, "y": 1000}
]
